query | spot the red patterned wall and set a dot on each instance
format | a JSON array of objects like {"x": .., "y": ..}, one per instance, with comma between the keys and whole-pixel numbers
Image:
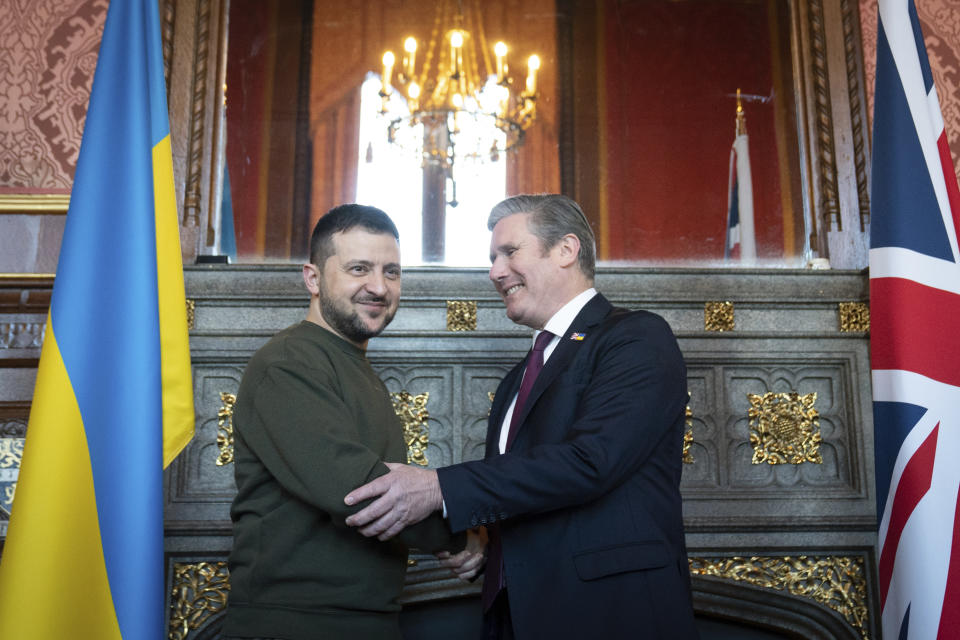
[
  {"x": 940, "y": 21},
  {"x": 48, "y": 53}
]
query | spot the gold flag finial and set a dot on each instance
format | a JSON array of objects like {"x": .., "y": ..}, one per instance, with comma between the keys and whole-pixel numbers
[{"x": 741, "y": 118}]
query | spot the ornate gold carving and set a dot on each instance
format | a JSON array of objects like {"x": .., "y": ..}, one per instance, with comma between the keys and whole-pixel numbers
[
  {"x": 826, "y": 154},
  {"x": 11, "y": 452},
  {"x": 461, "y": 315},
  {"x": 191, "y": 314},
  {"x": 784, "y": 428},
  {"x": 854, "y": 316},
  {"x": 688, "y": 438},
  {"x": 851, "y": 38},
  {"x": 718, "y": 316},
  {"x": 413, "y": 413},
  {"x": 225, "y": 428},
  {"x": 837, "y": 582},
  {"x": 200, "y": 591}
]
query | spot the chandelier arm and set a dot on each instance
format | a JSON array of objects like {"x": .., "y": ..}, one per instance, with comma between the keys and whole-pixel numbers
[
  {"x": 442, "y": 113},
  {"x": 482, "y": 39},
  {"x": 473, "y": 84},
  {"x": 426, "y": 72}
]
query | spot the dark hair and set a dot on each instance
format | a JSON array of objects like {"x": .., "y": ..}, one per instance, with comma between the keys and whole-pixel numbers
[
  {"x": 344, "y": 218},
  {"x": 552, "y": 216}
]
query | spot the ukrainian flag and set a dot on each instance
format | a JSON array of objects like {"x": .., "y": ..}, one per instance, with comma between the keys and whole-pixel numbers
[{"x": 113, "y": 402}]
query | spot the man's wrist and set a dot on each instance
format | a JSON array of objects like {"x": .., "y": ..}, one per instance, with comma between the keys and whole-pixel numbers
[
  {"x": 440, "y": 503},
  {"x": 437, "y": 501}
]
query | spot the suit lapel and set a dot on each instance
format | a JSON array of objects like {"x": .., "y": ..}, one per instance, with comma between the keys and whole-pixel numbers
[{"x": 590, "y": 316}]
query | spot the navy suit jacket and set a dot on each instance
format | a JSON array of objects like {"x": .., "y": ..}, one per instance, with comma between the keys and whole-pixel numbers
[{"x": 587, "y": 498}]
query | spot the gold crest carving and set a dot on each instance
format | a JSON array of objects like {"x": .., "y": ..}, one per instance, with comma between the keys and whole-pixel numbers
[
  {"x": 784, "y": 428},
  {"x": 191, "y": 314},
  {"x": 718, "y": 316},
  {"x": 461, "y": 315},
  {"x": 837, "y": 582},
  {"x": 688, "y": 437},
  {"x": 854, "y": 316},
  {"x": 225, "y": 429},
  {"x": 414, "y": 415},
  {"x": 199, "y": 592}
]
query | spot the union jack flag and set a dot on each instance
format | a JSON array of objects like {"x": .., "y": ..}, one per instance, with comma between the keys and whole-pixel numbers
[{"x": 915, "y": 339}]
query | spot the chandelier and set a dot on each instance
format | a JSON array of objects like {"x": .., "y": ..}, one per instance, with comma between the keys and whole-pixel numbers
[{"x": 460, "y": 103}]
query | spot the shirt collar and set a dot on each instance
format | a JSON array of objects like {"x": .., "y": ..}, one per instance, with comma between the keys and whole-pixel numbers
[{"x": 562, "y": 319}]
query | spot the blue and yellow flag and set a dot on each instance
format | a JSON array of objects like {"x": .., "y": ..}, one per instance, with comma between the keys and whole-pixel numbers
[{"x": 113, "y": 402}]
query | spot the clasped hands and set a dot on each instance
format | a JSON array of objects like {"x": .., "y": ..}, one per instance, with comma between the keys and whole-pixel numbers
[{"x": 405, "y": 496}]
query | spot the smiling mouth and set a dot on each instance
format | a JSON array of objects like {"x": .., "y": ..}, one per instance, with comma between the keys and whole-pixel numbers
[
  {"x": 374, "y": 303},
  {"x": 512, "y": 290}
]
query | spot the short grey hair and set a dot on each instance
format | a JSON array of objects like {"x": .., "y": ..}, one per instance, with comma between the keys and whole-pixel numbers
[{"x": 552, "y": 216}]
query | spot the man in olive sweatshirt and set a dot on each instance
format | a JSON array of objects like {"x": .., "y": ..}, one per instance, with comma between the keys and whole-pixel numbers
[{"x": 312, "y": 421}]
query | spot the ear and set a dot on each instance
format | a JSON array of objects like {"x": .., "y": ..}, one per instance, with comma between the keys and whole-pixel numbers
[
  {"x": 311, "y": 278},
  {"x": 569, "y": 250}
]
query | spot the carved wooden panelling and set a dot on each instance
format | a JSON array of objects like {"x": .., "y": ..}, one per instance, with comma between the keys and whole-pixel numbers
[
  {"x": 480, "y": 382},
  {"x": 704, "y": 471},
  {"x": 194, "y": 478},
  {"x": 13, "y": 429},
  {"x": 723, "y": 468},
  {"x": 438, "y": 382},
  {"x": 836, "y": 432},
  {"x": 459, "y": 403},
  {"x": 209, "y": 384}
]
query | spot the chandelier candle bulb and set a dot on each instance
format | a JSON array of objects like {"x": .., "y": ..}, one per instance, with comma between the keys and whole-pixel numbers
[
  {"x": 388, "y": 60},
  {"x": 533, "y": 63},
  {"x": 500, "y": 50},
  {"x": 456, "y": 42},
  {"x": 410, "y": 59},
  {"x": 413, "y": 91},
  {"x": 462, "y": 115}
]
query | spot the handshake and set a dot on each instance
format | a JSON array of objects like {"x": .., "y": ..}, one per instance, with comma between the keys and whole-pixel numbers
[{"x": 405, "y": 496}]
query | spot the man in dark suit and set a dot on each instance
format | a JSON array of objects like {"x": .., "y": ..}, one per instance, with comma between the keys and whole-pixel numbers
[{"x": 579, "y": 489}]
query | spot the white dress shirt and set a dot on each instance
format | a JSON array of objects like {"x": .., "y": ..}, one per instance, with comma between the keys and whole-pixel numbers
[{"x": 558, "y": 326}]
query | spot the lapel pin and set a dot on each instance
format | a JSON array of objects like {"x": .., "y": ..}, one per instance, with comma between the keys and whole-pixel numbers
[{"x": 578, "y": 337}]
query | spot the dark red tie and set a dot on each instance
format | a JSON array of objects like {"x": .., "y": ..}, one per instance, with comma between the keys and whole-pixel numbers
[
  {"x": 494, "y": 581},
  {"x": 534, "y": 365}
]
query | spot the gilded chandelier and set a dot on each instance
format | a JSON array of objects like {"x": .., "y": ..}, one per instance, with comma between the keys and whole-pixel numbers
[{"x": 464, "y": 99}]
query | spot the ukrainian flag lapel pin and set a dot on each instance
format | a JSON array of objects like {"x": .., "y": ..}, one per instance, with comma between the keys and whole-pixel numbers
[{"x": 577, "y": 337}]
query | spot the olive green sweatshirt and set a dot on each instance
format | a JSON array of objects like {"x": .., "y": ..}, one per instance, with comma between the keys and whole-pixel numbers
[{"x": 312, "y": 422}]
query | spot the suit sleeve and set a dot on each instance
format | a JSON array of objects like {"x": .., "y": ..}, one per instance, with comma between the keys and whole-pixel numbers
[
  {"x": 621, "y": 405},
  {"x": 306, "y": 438}
]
